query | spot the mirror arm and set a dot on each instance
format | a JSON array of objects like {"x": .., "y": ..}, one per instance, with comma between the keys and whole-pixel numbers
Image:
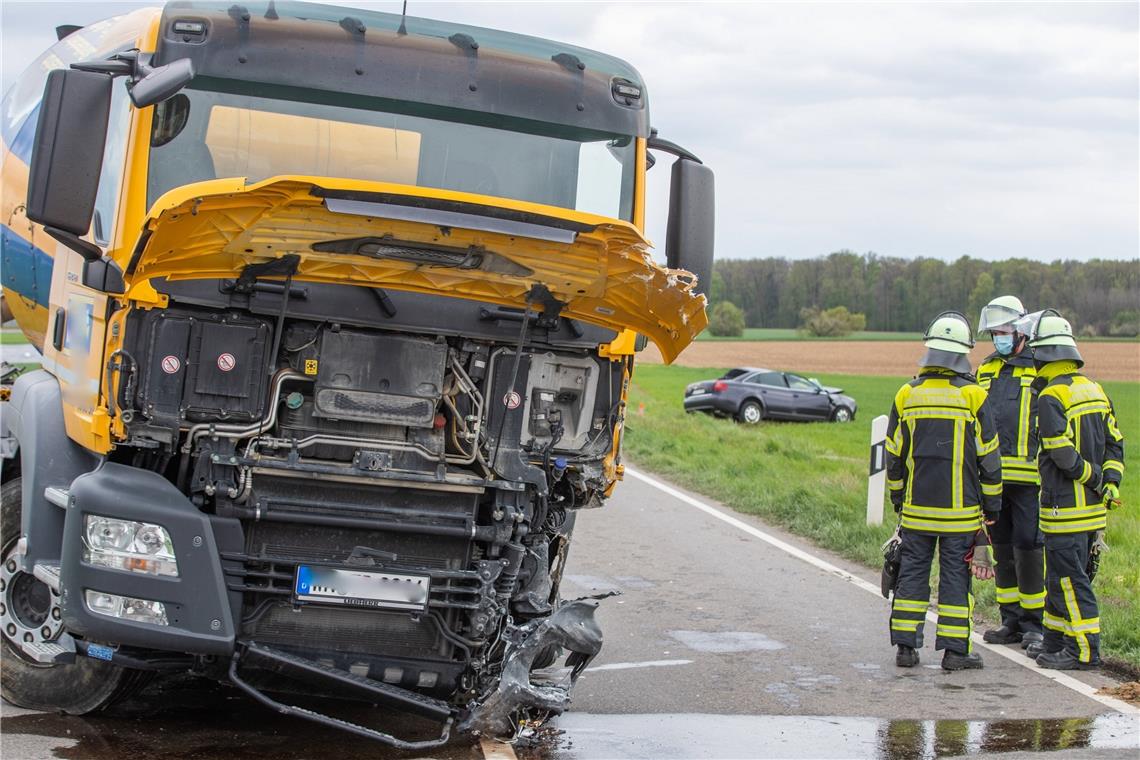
[
  {"x": 668, "y": 146},
  {"x": 89, "y": 251}
]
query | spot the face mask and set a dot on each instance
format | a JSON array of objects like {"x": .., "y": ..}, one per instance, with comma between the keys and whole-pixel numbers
[{"x": 1003, "y": 344}]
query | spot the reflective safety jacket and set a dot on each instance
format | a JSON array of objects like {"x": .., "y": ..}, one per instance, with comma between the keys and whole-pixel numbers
[
  {"x": 943, "y": 464},
  {"x": 1081, "y": 450},
  {"x": 1013, "y": 403}
]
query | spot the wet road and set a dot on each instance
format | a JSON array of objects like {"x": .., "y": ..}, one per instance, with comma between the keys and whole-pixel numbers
[{"x": 719, "y": 646}]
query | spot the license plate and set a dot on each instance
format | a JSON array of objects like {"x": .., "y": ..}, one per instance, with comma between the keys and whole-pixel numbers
[
  {"x": 358, "y": 588},
  {"x": 696, "y": 391}
]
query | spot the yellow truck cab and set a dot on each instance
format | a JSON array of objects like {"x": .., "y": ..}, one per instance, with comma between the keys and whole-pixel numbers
[{"x": 338, "y": 311}]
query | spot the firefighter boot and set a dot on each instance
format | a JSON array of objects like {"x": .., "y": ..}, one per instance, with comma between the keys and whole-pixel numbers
[
  {"x": 906, "y": 657},
  {"x": 1065, "y": 660},
  {"x": 952, "y": 660}
]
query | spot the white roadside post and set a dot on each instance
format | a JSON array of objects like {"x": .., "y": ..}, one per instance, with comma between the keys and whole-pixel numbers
[{"x": 877, "y": 475}]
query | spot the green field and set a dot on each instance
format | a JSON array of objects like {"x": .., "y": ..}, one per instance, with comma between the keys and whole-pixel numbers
[
  {"x": 782, "y": 333},
  {"x": 812, "y": 479}
]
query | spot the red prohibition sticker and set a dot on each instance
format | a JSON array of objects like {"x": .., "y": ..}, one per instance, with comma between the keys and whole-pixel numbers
[
  {"x": 512, "y": 400},
  {"x": 171, "y": 364},
  {"x": 226, "y": 362}
]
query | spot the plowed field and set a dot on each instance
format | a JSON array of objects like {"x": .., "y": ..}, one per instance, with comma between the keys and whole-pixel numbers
[{"x": 1103, "y": 361}]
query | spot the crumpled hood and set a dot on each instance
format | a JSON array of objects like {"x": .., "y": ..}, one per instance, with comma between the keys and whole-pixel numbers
[{"x": 424, "y": 240}]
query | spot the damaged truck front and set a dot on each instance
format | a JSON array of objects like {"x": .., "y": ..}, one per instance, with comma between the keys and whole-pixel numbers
[{"x": 342, "y": 313}]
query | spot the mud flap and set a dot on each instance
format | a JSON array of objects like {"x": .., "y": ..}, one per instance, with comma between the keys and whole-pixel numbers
[{"x": 571, "y": 627}]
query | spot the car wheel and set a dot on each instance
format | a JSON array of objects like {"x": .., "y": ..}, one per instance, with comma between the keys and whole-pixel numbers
[
  {"x": 750, "y": 413},
  {"x": 841, "y": 414},
  {"x": 30, "y": 610}
]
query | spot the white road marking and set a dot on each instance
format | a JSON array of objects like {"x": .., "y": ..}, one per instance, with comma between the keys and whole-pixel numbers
[
  {"x": 1057, "y": 676},
  {"x": 631, "y": 665},
  {"x": 493, "y": 749}
]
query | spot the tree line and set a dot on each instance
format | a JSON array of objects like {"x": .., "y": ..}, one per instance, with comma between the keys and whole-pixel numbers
[{"x": 1099, "y": 297}]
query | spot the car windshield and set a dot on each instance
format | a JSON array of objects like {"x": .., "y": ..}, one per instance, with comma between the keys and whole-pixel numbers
[
  {"x": 800, "y": 384},
  {"x": 203, "y": 134}
]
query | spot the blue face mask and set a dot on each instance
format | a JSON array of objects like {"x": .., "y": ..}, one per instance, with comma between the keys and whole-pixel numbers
[{"x": 1003, "y": 344}]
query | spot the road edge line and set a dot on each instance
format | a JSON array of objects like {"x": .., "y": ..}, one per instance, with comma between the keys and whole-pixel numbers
[{"x": 1056, "y": 676}]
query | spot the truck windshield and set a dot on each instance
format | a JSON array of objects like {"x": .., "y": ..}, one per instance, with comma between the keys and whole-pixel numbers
[{"x": 205, "y": 134}]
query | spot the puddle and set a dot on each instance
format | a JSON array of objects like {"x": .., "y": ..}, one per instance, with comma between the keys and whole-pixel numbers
[
  {"x": 635, "y": 737},
  {"x": 723, "y": 642}
]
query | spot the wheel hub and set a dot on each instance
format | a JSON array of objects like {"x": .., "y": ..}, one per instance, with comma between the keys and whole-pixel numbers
[{"x": 30, "y": 611}]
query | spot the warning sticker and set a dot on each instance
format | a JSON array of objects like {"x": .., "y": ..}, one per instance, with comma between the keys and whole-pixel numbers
[
  {"x": 310, "y": 366},
  {"x": 512, "y": 400},
  {"x": 171, "y": 364},
  {"x": 226, "y": 362}
]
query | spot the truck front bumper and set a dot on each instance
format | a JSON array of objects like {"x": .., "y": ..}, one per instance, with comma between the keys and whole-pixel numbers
[{"x": 199, "y": 609}]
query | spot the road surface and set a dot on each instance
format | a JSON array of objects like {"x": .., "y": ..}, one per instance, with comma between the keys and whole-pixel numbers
[{"x": 723, "y": 643}]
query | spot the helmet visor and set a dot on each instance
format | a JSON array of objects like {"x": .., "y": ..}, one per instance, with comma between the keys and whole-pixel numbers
[
  {"x": 1028, "y": 324},
  {"x": 995, "y": 316}
]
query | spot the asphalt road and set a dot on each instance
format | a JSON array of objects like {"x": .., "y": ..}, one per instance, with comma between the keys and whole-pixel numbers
[{"x": 720, "y": 645}]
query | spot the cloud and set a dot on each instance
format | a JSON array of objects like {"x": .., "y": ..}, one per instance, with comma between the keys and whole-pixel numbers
[{"x": 991, "y": 129}]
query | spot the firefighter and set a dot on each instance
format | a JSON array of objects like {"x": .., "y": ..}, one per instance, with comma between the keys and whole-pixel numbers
[
  {"x": 943, "y": 471},
  {"x": 1081, "y": 465},
  {"x": 1019, "y": 555}
]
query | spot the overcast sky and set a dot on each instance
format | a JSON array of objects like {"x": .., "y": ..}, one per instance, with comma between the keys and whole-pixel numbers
[{"x": 937, "y": 129}]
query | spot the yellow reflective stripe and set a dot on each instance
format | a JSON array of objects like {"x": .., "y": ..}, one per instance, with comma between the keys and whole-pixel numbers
[
  {"x": 1054, "y": 623},
  {"x": 895, "y": 485},
  {"x": 956, "y": 482},
  {"x": 909, "y": 496},
  {"x": 954, "y": 631},
  {"x": 1006, "y": 595},
  {"x": 985, "y": 448},
  {"x": 1083, "y": 526},
  {"x": 946, "y": 513},
  {"x": 941, "y": 527},
  {"x": 1032, "y": 601},
  {"x": 1056, "y": 442},
  {"x": 1079, "y": 499},
  {"x": 936, "y": 413},
  {"x": 953, "y": 610},
  {"x": 1023, "y": 418},
  {"x": 991, "y": 489},
  {"x": 1086, "y": 473},
  {"x": 1113, "y": 430},
  {"x": 1017, "y": 476},
  {"x": 906, "y": 625},
  {"x": 909, "y": 605},
  {"x": 1086, "y": 407},
  {"x": 1075, "y": 619},
  {"x": 1088, "y": 625},
  {"x": 1113, "y": 464}
]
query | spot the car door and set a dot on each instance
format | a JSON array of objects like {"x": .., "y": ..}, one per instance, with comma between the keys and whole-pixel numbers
[
  {"x": 773, "y": 393},
  {"x": 808, "y": 400}
]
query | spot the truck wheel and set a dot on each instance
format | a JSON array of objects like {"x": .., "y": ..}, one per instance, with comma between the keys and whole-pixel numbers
[
  {"x": 750, "y": 413},
  {"x": 26, "y": 604}
]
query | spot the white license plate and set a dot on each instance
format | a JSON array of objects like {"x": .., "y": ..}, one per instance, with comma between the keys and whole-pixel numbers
[
  {"x": 696, "y": 391},
  {"x": 358, "y": 588}
]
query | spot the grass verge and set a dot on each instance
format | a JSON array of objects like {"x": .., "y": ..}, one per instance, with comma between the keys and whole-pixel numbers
[
  {"x": 788, "y": 333},
  {"x": 812, "y": 479}
]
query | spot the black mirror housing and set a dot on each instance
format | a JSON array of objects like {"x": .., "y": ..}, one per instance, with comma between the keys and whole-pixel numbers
[
  {"x": 689, "y": 237},
  {"x": 68, "y": 151},
  {"x": 162, "y": 82}
]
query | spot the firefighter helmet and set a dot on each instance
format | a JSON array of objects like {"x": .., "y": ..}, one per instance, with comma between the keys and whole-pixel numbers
[
  {"x": 1003, "y": 311},
  {"x": 948, "y": 341},
  {"x": 1051, "y": 337}
]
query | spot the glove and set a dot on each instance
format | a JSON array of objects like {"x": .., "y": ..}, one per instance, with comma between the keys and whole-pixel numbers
[
  {"x": 981, "y": 557},
  {"x": 1111, "y": 494},
  {"x": 991, "y": 517}
]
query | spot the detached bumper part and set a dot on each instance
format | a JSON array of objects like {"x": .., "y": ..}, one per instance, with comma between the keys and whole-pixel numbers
[{"x": 572, "y": 627}]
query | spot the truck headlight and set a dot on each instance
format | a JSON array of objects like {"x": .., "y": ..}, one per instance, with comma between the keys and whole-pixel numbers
[
  {"x": 126, "y": 607},
  {"x": 128, "y": 545}
]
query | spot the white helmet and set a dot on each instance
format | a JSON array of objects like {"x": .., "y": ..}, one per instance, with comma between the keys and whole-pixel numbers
[
  {"x": 948, "y": 341},
  {"x": 1003, "y": 311},
  {"x": 1050, "y": 336}
]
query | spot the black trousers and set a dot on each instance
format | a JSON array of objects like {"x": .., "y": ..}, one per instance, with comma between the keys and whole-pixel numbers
[
  {"x": 1018, "y": 558},
  {"x": 912, "y": 594},
  {"x": 1072, "y": 619}
]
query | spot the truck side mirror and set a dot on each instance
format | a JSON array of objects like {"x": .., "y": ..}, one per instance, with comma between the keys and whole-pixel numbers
[
  {"x": 692, "y": 216},
  {"x": 160, "y": 83},
  {"x": 67, "y": 156}
]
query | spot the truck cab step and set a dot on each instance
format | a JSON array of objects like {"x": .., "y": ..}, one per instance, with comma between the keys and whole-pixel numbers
[
  {"x": 48, "y": 572},
  {"x": 58, "y": 652},
  {"x": 57, "y": 496}
]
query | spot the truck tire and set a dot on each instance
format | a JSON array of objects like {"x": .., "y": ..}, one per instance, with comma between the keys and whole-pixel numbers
[{"x": 83, "y": 687}]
